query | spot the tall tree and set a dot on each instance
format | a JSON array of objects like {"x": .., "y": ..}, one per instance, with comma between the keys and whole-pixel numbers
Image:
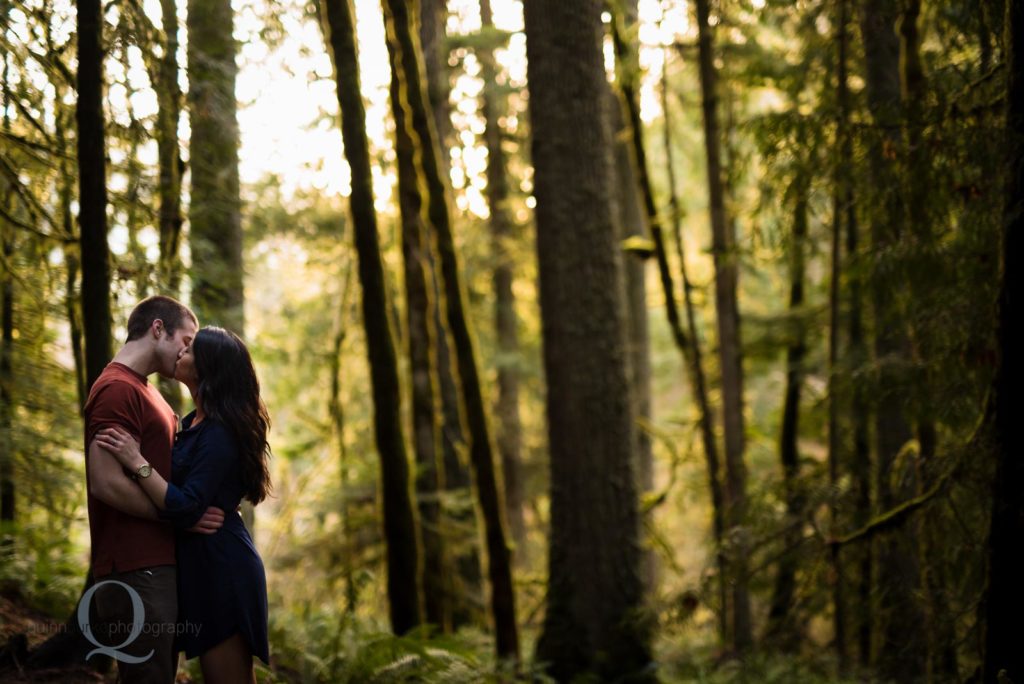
[
  {"x": 399, "y": 20},
  {"x": 593, "y": 622},
  {"x": 92, "y": 192},
  {"x": 632, "y": 184},
  {"x": 215, "y": 221},
  {"x": 421, "y": 338},
  {"x": 505, "y": 321},
  {"x": 899, "y": 639},
  {"x": 169, "y": 152},
  {"x": 403, "y": 564},
  {"x": 726, "y": 259},
  {"x": 693, "y": 357},
  {"x": 783, "y": 627},
  {"x": 1004, "y": 596}
]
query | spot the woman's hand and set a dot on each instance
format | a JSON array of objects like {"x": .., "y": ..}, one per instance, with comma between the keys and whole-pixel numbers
[{"x": 122, "y": 445}]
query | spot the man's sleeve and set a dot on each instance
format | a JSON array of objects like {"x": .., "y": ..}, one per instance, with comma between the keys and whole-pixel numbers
[{"x": 116, "y": 404}]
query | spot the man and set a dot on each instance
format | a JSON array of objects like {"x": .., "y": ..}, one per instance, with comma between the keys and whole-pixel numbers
[{"x": 130, "y": 544}]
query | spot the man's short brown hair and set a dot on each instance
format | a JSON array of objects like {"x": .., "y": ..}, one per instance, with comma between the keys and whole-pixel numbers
[{"x": 172, "y": 312}]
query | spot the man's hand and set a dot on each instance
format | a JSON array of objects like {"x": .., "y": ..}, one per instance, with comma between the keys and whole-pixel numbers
[{"x": 212, "y": 520}]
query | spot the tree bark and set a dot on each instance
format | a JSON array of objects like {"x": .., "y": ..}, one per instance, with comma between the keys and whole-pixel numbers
[
  {"x": 92, "y": 193},
  {"x": 726, "y": 260},
  {"x": 784, "y": 629},
  {"x": 899, "y": 640},
  {"x": 507, "y": 408},
  {"x": 421, "y": 340},
  {"x": 399, "y": 18},
  {"x": 632, "y": 184},
  {"x": 693, "y": 357},
  {"x": 1004, "y": 596},
  {"x": 403, "y": 564},
  {"x": 433, "y": 37},
  {"x": 593, "y": 624},
  {"x": 215, "y": 221}
]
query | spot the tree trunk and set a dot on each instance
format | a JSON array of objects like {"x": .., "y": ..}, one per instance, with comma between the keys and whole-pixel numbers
[
  {"x": 507, "y": 409},
  {"x": 726, "y": 259},
  {"x": 403, "y": 565},
  {"x": 840, "y": 182},
  {"x": 421, "y": 338},
  {"x": 7, "y": 489},
  {"x": 433, "y": 37},
  {"x": 215, "y": 221},
  {"x": 1004, "y": 595},
  {"x": 899, "y": 642},
  {"x": 629, "y": 155},
  {"x": 170, "y": 167},
  {"x": 593, "y": 624},
  {"x": 784, "y": 629},
  {"x": 399, "y": 19},
  {"x": 92, "y": 193},
  {"x": 693, "y": 358},
  {"x": 466, "y": 592}
]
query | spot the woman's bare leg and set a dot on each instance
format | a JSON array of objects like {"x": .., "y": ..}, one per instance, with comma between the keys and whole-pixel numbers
[{"x": 229, "y": 662}]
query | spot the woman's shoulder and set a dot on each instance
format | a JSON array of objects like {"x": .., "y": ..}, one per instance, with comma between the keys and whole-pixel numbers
[{"x": 216, "y": 433}]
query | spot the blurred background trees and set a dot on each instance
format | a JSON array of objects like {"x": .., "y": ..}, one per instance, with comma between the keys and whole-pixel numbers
[{"x": 691, "y": 371}]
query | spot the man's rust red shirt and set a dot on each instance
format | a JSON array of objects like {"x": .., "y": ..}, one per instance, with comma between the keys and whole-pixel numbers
[{"x": 122, "y": 542}]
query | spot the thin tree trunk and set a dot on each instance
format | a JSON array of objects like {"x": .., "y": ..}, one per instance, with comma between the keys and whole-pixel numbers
[
  {"x": 433, "y": 37},
  {"x": 900, "y": 646},
  {"x": 92, "y": 194},
  {"x": 784, "y": 630},
  {"x": 840, "y": 180},
  {"x": 1004, "y": 594},
  {"x": 421, "y": 338},
  {"x": 399, "y": 18},
  {"x": 507, "y": 409},
  {"x": 593, "y": 624},
  {"x": 7, "y": 487},
  {"x": 693, "y": 358},
  {"x": 632, "y": 183},
  {"x": 460, "y": 526},
  {"x": 337, "y": 415},
  {"x": 726, "y": 259},
  {"x": 170, "y": 168},
  {"x": 403, "y": 565}
]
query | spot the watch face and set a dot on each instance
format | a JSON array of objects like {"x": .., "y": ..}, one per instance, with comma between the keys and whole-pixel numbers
[{"x": 144, "y": 471}]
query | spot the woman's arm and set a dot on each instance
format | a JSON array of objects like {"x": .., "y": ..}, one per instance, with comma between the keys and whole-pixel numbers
[
  {"x": 188, "y": 506},
  {"x": 126, "y": 450}
]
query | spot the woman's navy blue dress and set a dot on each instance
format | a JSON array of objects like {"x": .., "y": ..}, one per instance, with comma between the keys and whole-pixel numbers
[{"x": 222, "y": 586}]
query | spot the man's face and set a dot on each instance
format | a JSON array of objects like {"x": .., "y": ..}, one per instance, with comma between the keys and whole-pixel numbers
[{"x": 169, "y": 346}]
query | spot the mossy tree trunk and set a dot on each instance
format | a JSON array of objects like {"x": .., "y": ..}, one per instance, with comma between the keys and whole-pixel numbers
[
  {"x": 399, "y": 21},
  {"x": 400, "y": 527}
]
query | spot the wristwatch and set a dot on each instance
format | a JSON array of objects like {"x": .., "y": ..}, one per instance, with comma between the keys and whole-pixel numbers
[{"x": 144, "y": 471}]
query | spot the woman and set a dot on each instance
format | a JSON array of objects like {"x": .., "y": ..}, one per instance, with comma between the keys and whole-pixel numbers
[{"x": 219, "y": 457}]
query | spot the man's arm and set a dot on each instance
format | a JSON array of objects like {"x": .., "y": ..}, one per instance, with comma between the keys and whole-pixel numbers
[{"x": 108, "y": 483}]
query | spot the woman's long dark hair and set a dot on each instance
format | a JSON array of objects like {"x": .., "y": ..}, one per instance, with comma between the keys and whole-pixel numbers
[{"x": 230, "y": 393}]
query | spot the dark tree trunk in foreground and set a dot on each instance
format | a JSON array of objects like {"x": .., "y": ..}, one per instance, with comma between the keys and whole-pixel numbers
[
  {"x": 632, "y": 183},
  {"x": 92, "y": 193},
  {"x": 399, "y": 515},
  {"x": 693, "y": 358},
  {"x": 507, "y": 410},
  {"x": 434, "y": 39},
  {"x": 784, "y": 629},
  {"x": 398, "y": 20},
  {"x": 726, "y": 258},
  {"x": 215, "y": 221},
  {"x": 421, "y": 338},
  {"x": 900, "y": 639},
  {"x": 1004, "y": 597},
  {"x": 594, "y": 620}
]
